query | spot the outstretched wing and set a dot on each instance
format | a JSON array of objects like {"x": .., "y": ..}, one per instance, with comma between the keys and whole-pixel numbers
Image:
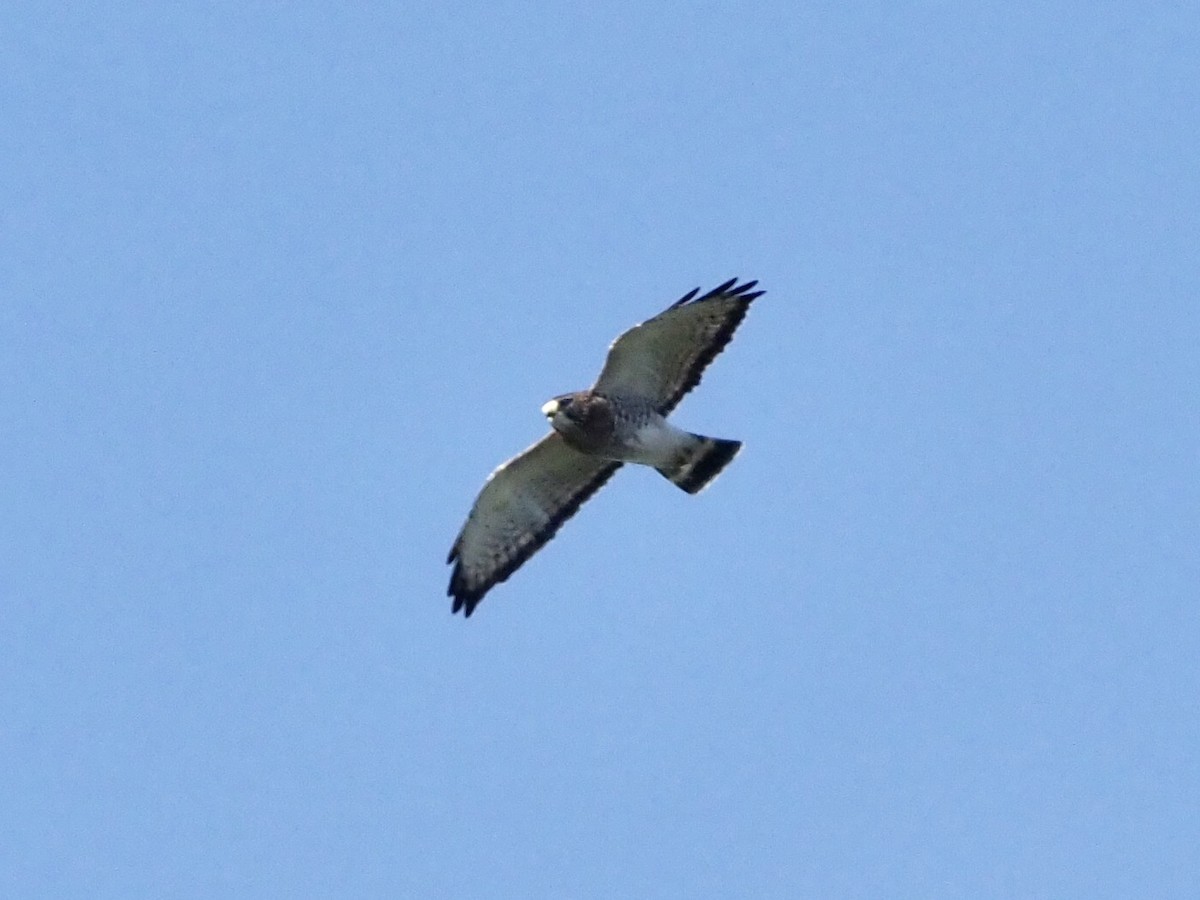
[
  {"x": 663, "y": 358},
  {"x": 521, "y": 507}
]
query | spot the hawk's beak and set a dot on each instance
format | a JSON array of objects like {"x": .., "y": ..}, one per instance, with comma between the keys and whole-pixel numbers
[{"x": 549, "y": 408}]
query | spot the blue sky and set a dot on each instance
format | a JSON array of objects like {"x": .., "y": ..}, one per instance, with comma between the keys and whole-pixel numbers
[{"x": 281, "y": 284}]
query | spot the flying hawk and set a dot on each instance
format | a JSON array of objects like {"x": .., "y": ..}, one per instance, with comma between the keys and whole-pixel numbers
[{"x": 621, "y": 419}]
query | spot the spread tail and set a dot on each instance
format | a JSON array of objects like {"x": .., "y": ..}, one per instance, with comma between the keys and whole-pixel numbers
[{"x": 701, "y": 462}]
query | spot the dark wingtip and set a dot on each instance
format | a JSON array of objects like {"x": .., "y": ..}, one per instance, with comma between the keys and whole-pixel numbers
[
  {"x": 724, "y": 288},
  {"x": 730, "y": 288},
  {"x": 467, "y": 607},
  {"x": 464, "y": 599},
  {"x": 686, "y": 297}
]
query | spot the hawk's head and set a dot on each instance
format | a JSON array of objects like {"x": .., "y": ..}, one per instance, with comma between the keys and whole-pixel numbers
[
  {"x": 565, "y": 406},
  {"x": 585, "y": 419}
]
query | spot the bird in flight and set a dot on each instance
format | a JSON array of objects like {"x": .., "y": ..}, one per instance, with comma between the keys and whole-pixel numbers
[{"x": 621, "y": 418}]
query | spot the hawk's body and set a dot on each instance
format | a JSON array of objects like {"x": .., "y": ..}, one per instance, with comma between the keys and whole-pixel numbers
[
  {"x": 628, "y": 430},
  {"x": 622, "y": 418},
  {"x": 631, "y": 430}
]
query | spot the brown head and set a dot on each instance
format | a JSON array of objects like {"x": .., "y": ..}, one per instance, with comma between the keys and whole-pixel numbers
[{"x": 583, "y": 418}]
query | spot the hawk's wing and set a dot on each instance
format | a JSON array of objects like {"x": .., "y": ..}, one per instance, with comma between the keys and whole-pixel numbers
[
  {"x": 524, "y": 502},
  {"x": 663, "y": 358}
]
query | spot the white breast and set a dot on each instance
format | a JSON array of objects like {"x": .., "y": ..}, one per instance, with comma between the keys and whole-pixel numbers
[{"x": 657, "y": 443}]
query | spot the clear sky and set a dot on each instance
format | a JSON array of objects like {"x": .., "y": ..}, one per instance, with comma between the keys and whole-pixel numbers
[{"x": 281, "y": 283}]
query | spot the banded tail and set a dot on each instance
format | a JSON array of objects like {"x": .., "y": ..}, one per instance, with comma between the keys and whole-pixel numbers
[{"x": 701, "y": 462}]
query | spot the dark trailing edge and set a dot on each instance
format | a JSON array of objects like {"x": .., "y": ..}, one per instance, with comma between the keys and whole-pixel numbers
[
  {"x": 467, "y": 598},
  {"x": 720, "y": 340}
]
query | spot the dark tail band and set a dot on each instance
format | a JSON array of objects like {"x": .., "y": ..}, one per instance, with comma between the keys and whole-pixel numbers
[{"x": 702, "y": 463}]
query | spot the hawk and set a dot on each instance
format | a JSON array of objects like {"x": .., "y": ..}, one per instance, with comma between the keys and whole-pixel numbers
[{"x": 622, "y": 418}]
